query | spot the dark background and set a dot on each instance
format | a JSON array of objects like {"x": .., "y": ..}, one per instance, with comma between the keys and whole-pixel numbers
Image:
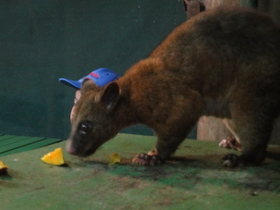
[{"x": 41, "y": 41}]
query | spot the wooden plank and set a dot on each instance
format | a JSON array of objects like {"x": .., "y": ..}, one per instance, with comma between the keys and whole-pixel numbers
[
  {"x": 29, "y": 145},
  {"x": 4, "y": 139},
  {"x": 9, "y": 140},
  {"x": 10, "y": 144},
  {"x": 19, "y": 141}
]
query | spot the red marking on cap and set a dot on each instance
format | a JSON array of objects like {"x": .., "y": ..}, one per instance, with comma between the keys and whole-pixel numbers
[{"x": 94, "y": 74}]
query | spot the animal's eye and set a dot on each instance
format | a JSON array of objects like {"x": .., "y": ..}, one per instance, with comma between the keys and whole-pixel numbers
[{"x": 84, "y": 128}]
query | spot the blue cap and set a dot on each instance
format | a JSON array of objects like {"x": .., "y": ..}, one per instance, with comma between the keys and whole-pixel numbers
[{"x": 101, "y": 77}]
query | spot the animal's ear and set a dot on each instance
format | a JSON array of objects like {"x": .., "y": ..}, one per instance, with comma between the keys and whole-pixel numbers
[
  {"x": 87, "y": 85},
  {"x": 111, "y": 96}
]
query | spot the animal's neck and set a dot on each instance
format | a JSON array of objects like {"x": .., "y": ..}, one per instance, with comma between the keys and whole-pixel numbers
[
  {"x": 125, "y": 113},
  {"x": 135, "y": 87}
]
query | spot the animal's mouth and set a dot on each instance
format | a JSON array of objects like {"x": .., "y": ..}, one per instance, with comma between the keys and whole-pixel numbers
[{"x": 80, "y": 151}]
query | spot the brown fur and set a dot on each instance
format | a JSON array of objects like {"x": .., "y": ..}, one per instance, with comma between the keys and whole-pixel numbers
[{"x": 223, "y": 63}]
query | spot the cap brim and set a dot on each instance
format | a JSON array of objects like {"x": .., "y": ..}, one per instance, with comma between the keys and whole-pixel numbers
[
  {"x": 71, "y": 83},
  {"x": 100, "y": 77}
]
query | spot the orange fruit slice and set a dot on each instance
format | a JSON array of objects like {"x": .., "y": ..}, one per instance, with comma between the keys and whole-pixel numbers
[
  {"x": 3, "y": 166},
  {"x": 54, "y": 158}
]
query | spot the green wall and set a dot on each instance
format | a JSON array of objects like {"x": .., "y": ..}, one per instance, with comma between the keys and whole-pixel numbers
[{"x": 42, "y": 40}]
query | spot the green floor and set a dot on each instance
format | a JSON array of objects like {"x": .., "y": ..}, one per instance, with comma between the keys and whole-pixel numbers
[{"x": 193, "y": 180}]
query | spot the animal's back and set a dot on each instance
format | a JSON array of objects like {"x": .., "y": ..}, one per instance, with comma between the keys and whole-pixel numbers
[
  {"x": 218, "y": 51},
  {"x": 224, "y": 34}
]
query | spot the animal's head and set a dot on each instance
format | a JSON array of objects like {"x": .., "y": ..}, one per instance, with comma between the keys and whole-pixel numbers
[{"x": 94, "y": 120}]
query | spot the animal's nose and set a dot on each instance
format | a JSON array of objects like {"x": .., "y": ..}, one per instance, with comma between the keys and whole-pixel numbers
[{"x": 69, "y": 148}]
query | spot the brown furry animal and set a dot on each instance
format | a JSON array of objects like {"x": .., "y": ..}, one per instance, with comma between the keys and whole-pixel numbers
[{"x": 224, "y": 63}]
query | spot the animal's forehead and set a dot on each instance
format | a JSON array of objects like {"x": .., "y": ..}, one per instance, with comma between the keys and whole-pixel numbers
[
  {"x": 84, "y": 103},
  {"x": 88, "y": 97},
  {"x": 88, "y": 102},
  {"x": 82, "y": 111}
]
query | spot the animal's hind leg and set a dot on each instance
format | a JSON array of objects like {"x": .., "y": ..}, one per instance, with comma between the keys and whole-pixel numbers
[
  {"x": 229, "y": 142},
  {"x": 253, "y": 130}
]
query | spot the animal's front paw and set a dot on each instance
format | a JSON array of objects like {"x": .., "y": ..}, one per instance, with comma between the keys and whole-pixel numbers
[
  {"x": 232, "y": 160},
  {"x": 145, "y": 160}
]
